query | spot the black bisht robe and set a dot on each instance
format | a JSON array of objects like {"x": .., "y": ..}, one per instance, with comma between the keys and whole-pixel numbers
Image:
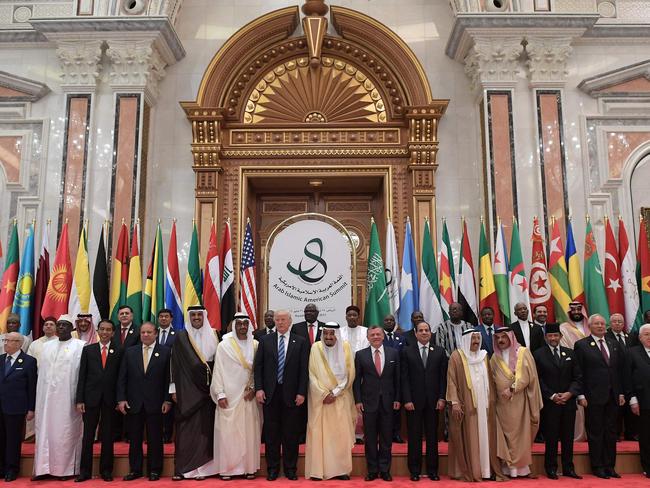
[{"x": 194, "y": 407}]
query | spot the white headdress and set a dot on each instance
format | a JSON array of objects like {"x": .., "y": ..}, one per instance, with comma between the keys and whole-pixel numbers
[
  {"x": 204, "y": 337},
  {"x": 335, "y": 354},
  {"x": 245, "y": 345},
  {"x": 466, "y": 347}
]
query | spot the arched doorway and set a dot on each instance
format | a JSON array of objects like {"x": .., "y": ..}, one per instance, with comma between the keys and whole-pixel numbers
[{"x": 291, "y": 120}]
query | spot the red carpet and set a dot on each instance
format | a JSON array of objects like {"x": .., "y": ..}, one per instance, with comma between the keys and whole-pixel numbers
[
  {"x": 122, "y": 449},
  {"x": 628, "y": 481}
]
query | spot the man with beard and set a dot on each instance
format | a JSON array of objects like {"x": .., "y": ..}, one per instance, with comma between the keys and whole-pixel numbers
[
  {"x": 450, "y": 333},
  {"x": 540, "y": 316},
  {"x": 472, "y": 423},
  {"x": 639, "y": 359},
  {"x": 238, "y": 418},
  {"x": 84, "y": 329},
  {"x": 487, "y": 329},
  {"x": 269, "y": 326},
  {"x": 328, "y": 452},
  {"x": 519, "y": 401},
  {"x": 310, "y": 328},
  {"x": 527, "y": 333},
  {"x": 58, "y": 423},
  {"x": 192, "y": 361}
]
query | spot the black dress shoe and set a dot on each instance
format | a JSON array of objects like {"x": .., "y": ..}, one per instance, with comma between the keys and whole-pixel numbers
[
  {"x": 415, "y": 477},
  {"x": 272, "y": 476},
  {"x": 81, "y": 478},
  {"x": 599, "y": 473},
  {"x": 10, "y": 477},
  {"x": 552, "y": 475},
  {"x": 572, "y": 474},
  {"x": 132, "y": 476},
  {"x": 178, "y": 477},
  {"x": 371, "y": 477},
  {"x": 386, "y": 476},
  {"x": 398, "y": 439},
  {"x": 343, "y": 477},
  {"x": 434, "y": 477},
  {"x": 358, "y": 442},
  {"x": 153, "y": 476},
  {"x": 107, "y": 477},
  {"x": 291, "y": 476},
  {"x": 647, "y": 475},
  {"x": 613, "y": 474}
]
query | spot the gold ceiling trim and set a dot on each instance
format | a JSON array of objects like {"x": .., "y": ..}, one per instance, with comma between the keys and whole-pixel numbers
[{"x": 335, "y": 92}]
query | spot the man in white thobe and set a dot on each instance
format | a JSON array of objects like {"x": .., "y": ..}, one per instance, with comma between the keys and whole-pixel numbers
[
  {"x": 49, "y": 334},
  {"x": 238, "y": 418},
  {"x": 332, "y": 414},
  {"x": 58, "y": 423}
]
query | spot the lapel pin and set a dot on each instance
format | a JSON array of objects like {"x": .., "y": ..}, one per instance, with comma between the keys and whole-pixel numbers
[
  {"x": 430, "y": 348},
  {"x": 293, "y": 340},
  {"x": 131, "y": 331},
  {"x": 156, "y": 354},
  {"x": 593, "y": 344},
  {"x": 20, "y": 360},
  {"x": 110, "y": 351},
  {"x": 564, "y": 354}
]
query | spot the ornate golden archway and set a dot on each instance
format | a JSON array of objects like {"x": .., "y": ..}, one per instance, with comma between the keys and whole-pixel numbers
[{"x": 275, "y": 101}]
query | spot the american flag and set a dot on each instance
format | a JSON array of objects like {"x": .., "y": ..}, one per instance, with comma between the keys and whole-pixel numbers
[{"x": 247, "y": 291}]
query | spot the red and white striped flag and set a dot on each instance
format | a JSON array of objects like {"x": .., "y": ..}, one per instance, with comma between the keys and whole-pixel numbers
[
  {"x": 247, "y": 289},
  {"x": 212, "y": 285}
]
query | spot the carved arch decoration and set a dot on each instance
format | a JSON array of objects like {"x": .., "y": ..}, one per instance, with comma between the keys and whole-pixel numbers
[{"x": 278, "y": 96}]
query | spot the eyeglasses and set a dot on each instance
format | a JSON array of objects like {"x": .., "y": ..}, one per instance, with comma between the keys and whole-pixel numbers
[{"x": 10, "y": 340}]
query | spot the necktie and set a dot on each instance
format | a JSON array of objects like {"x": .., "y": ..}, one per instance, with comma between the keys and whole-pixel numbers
[
  {"x": 104, "y": 356},
  {"x": 556, "y": 356},
  {"x": 311, "y": 333},
  {"x": 281, "y": 359},
  {"x": 378, "y": 361},
  {"x": 621, "y": 340},
  {"x": 489, "y": 344},
  {"x": 123, "y": 336},
  {"x": 390, "y": 336},
  {"x": 424, "y": 356},
  {"x": 8, "y": 365},
  {"x": 603, "y": 351},
  {"x": 163, "y": 337},
  {"x": 145, "y": 358}
]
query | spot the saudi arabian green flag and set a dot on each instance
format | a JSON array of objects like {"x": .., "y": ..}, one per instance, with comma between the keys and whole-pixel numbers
[
  {"x": 593, "y": 278},
  {"x": 377, "y": 305}
]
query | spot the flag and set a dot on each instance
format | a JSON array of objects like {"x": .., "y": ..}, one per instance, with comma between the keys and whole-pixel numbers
[
  {"x": 643, "y": 269},
  {"x": 154, "y": 295},
  {"x": 120, "y": 274},
  {"x": 134, "y": 283},
  {"x": 487, "y": 291},
  {"x": 633, "y": 313},
  {"x": 377, "y": 304},
  {"x": 573, "y": 270},
  {"x": 193, "y": 289},
  {"x": 392, "y": 268},
  {"x": 559, "y": 278},
  {"x": 173, "y": 283},
  {"x": 227, "y": 279},
  {"x": 9, "y": 278},
  {"x": 613, "y": 286},
  {"x": 500, "y": 270},
  {"x": 466, "y": 279},
  {"x": 429, "y": 289},
  {"x": 595, "y": 295},
  {"x": 539, "y": 291},
  {"x": 447, "y": 278},
  {"x": 408, "y": 282},
  {"x": 100, "y": 279},
  {"x": 518, "y": 289},
  {"x": 25, "y": 287},
  {"x": 40, "y": 287},
  {"x": 212, "y": 284},
  {"x": 247, "y": 289},
  {"x": 58, "y": 289},
  {"x": 82, "y": 299}
]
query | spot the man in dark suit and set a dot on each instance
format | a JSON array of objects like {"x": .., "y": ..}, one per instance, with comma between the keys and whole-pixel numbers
[
  {"x": 639, "y": 368},
  {"x": 17, "y": 401},
  {"x": 603, "y": 387},
  {"x": 281, "y": 371},
  {"x": 409, "y": 335},
  {"x": 626, "y": 425},
  {"x": 143, "y": 396},
  {"x": 394, "y": 338},
  {"x": 376, "y": 394},
  {"x": 560, "y": 381},
  {"x": 486, "y": 328},
  {"x": 526, "y": 332},
  {"x": 128, "y": 334},
  {"x": 269, "y": 326},
  {"x": 166, "y": 337},
  {"x": 95, "y": 398},
  {"x": 311, "y": 326},
  {"x": 424, "y": 386},
  {"x": 540, "y": 316}
]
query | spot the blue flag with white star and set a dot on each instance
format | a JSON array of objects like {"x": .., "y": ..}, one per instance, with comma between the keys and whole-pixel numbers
[{"x": 408, "y": 286}]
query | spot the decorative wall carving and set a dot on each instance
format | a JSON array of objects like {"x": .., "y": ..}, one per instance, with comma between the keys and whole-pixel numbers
[
  {"x": 135, "y": 65},
  {"x": 80, "y": 64},
  {"x": 547, "y": 59},
  {"x": 494, "y": 61}
]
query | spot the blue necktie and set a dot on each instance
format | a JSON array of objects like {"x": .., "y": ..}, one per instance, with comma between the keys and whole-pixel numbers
[
  {"x": 8, "y": 365},
  {"x": 280, "y": 359}
]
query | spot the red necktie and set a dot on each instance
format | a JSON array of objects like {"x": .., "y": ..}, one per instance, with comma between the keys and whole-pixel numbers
[
  {"x": 603, "y": 351},
  {"x": 124, "y": 329},
  {"x": 103, "y": 356},
  {"x": 311, "y": 333},
  {"x": 378, "y": 362}
]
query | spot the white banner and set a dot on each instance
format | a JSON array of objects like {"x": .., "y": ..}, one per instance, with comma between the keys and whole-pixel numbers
[{"x": 311, "y": 262}]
